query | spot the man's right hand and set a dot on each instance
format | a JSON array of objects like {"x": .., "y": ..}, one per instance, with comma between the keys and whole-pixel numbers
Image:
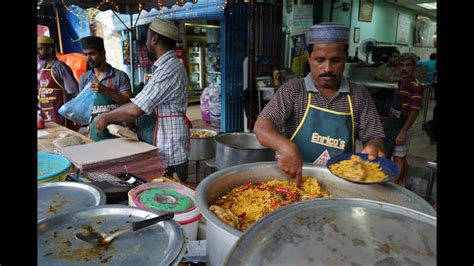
[{"x": 290, "y": 162}]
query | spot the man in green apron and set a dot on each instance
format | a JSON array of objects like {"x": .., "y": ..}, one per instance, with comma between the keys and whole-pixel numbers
[
  {"x": 160, "y": 108},
  {"x": 111, "y": 85},
  {"x": 405, "y": 108},
  {"x": 321, "y": 115}
]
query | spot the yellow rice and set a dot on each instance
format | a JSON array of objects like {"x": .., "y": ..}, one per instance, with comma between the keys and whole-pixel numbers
[{"x": 252, "y": 203}]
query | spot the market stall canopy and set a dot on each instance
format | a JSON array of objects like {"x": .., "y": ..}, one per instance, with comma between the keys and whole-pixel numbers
[
  {"x": 203, "y": 9},
  {"x": 120, "y": 6}
]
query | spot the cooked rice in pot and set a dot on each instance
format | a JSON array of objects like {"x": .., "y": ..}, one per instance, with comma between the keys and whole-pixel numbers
[{"x": 245, "y": 204}]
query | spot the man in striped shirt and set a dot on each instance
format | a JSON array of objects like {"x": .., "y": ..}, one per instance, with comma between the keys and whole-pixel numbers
[
  {"x": 322, "y": 114},
  {"x": 405, "y": 108},
  {"x": 161, "y": 106}
]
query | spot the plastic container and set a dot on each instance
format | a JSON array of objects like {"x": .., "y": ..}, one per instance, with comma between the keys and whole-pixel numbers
[
  {"x": 267, "y": 93},
  {"x": 168, "y": 197},
  {"x": 52, "y": 167}
]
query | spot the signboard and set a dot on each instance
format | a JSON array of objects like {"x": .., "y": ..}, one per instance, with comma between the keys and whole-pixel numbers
[
  {"x": 403, "y": 29},
  {"x": 302, "y": 19}
]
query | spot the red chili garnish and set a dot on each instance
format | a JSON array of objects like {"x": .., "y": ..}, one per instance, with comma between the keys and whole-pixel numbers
[
  {"x": 245, "y": 187},
  {"x": 287, "y": 192},
  {"x": 242, "y": 215}
]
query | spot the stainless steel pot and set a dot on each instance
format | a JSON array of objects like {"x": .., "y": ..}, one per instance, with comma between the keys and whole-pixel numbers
[
  {"x": 221, "y": 237},
  {"x": 240, "y": 148},
  {"x": 335, "y": 231},
  {"x": 202, "y": 148}
]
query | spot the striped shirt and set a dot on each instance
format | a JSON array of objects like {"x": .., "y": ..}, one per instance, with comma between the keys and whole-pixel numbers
[
  {"x": 63, "y": 74},
  {"x": 411, "y": 91},
  {"x": 287, "y": 107},
  {"x": 166, "y": 93}
]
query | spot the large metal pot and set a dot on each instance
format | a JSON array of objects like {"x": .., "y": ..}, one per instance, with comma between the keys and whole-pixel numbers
[
  {"x": 336, "y": 231},
  {"x": 221, "y": 237},
  {"x": 202, "y": 148},
  {"x": 240, "y": 148}
]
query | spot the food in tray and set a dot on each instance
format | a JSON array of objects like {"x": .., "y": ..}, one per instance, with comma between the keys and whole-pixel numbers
[
  {"x": 358, "y": 169},
  {"x": 245, "y": 204},
  {"x": 201, "y": 134}
]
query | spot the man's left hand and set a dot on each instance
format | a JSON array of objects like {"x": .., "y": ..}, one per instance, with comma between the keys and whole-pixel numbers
[
  {"x": 373, "y": 151},
  {"x": 100, "y": 122},
  {"x": 401, "y": 138}
]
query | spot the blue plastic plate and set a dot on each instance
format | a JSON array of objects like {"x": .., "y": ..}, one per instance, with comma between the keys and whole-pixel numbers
[{"x": 388, "y": 167}]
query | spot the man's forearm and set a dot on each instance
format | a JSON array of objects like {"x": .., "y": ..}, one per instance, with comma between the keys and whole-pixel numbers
[
  {"x": 126, "y": 112},
  {"x": 268, "y": 135},
  {"x": 410, "y": 119},
  {"x": 119, "y": 98}
]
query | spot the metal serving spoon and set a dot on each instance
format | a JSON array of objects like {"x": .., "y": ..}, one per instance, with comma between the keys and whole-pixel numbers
[{"x": 103, "y": 239}]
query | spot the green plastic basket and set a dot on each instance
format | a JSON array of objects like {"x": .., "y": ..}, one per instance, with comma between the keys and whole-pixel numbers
[{"x": 52, "y": 167}]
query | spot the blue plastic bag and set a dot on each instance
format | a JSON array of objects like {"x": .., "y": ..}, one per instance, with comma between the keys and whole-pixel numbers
[{"x": 79, "y": 109}]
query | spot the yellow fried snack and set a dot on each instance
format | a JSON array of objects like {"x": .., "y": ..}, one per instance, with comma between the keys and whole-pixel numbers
[
  {"x": 358, "y": 170},
  {"x": 249, "y": 202}
]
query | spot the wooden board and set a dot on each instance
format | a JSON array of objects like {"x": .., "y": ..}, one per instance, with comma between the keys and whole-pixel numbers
[
  {"x": 105, "y": 151},
  {"x": 45, "y": 144}
]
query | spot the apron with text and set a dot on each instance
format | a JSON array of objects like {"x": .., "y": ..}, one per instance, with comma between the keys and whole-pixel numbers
[
  {"x": 324, "y": 133},
  {"x": 51, "y": 97}
]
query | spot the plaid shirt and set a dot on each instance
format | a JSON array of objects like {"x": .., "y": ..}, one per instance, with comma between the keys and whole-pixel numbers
[{"x": 166, "y": 93}]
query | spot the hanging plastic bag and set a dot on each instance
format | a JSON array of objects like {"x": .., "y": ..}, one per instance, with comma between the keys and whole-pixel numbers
[
  {"x": 205, "y": 105},
  {"x": 79, "y": 109},
  {"x": 215, "y": 106}
]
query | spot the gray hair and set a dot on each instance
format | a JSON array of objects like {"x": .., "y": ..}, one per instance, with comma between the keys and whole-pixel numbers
[{"x": 408, "y": 56}]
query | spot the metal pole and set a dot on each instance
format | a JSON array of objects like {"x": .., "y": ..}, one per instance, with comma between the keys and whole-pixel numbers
[
  {"x": 59, "y": 29},
  {"x": 130, "y": 38}
]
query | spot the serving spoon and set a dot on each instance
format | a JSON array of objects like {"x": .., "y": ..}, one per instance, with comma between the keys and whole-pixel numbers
[{"x": 103, "y": 239}]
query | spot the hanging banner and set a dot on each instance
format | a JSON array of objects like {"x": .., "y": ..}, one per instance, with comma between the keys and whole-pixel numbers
[
  {"x": 301, "y": 20},
  {"x": 299, "y": 59}
]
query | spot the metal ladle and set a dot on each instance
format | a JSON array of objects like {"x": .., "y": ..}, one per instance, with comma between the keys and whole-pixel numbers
[{"x": 103, "y": 239}]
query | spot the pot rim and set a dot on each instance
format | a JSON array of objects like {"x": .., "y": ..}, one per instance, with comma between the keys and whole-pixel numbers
[{"x": 218, "y": 136}]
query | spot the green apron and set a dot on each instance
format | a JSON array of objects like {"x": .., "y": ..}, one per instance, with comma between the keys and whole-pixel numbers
[
  {"x": 102, "y": 104},
  {"x": 147, "y": 126},
  {"x": 324, "y": 133},
  {"x": 393, "y": 124}
]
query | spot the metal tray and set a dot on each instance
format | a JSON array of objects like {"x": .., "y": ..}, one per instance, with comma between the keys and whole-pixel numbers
[
  {"x": 56, "y": 198},
  {"x": 159, "y": 244},
  {"x": 338, "y": 232}
]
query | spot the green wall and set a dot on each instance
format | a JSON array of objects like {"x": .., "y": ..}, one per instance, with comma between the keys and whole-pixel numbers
[{"x": 383, "y": 26}]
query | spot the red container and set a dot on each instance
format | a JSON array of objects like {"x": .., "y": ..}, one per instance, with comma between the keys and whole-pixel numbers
[{"x": 40, "y": 122}]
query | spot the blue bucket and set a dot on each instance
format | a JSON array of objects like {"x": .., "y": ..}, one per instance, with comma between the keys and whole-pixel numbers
[{"x": 52, "y": 167}]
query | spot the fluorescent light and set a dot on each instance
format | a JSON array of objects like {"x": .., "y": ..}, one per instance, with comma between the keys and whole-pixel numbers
[{"x": 428, "y": 5}]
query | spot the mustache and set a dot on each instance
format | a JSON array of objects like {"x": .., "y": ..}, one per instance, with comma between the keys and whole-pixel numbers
[{"x": 328, "y": 74}]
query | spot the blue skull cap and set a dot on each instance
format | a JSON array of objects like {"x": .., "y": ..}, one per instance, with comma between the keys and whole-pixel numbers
[{"x": 328, "y": 32}]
